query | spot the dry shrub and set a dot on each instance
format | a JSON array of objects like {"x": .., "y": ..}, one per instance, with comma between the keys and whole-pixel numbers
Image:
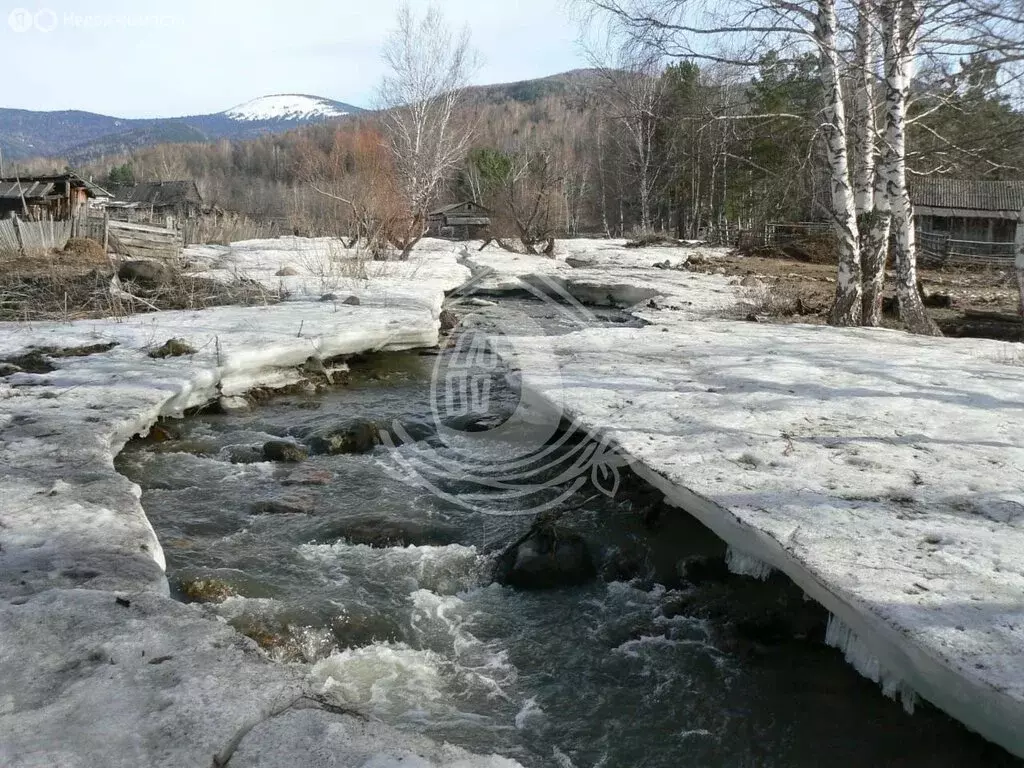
[
  {"x": 778, "y": 300},
  {"x": 66, "y": 286}
]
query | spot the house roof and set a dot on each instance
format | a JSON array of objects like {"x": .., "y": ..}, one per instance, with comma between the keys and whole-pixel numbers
[
  {"x": 159, "y": 193},
  {"x": 44, "y": 186},
  {"x": 453, "y": 206},
  {"x": 962, "y": 195}
]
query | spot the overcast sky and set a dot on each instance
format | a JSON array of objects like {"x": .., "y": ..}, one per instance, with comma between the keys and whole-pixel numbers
[{"x": 162, "y": 58}]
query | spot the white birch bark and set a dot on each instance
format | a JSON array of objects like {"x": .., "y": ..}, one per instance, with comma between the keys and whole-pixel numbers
[
  {"x": 847, "y": 307},
  {"x": 899, "y": 31},
  {"x": 872, "y": 202}
]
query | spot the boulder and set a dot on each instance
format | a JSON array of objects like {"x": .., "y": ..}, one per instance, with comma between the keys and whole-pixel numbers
[
  {"x": 144, "y": 271},
  {"x": 173, "y": 348},
  {"x": 285, "y": 505},
  {"x": 207, "y": 590},
  {"x": 284, "y": 450},
  {"x": 448, "y": 320},
  {"x": 547, "y": 557},
  {"x": 360, "y": 437}
]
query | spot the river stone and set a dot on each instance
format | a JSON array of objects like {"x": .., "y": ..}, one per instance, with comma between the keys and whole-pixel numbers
[
  {"x": 546, "y": 557},
  {"x": 308, "y": 476},
  {"x": 286, "y": 505},
  {"x": 448, "y": 320},
  {"x": 173, "y": 348},
  {"x": 378, "y": 532},
  {"x": 284, "y": 450},
  {"x": 360, "y": 437}
]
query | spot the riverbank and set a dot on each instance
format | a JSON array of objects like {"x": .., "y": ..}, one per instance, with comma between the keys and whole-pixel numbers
[
  {"x": 879, "y": 471},
  {"x": 98, "y": 666}
]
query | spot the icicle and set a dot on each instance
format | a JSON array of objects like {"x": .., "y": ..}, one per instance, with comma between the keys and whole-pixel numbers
[
  {"x": 746, "y": 565},
  {"x": 840, "y": 636}
]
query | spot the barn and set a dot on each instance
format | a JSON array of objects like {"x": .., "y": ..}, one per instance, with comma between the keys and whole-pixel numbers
[
  {"x": 459, "y": 221},
  {"x": 58, "y": 197},
  {"x": 979, "y": 220},
  {"x": 153, "y": 200}
]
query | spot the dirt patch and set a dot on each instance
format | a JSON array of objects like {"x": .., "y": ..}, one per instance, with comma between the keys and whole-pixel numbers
[{"x": 978, "y": 302}]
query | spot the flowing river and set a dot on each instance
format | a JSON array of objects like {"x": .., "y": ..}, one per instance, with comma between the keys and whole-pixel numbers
[{"x": 383, "y": 587}]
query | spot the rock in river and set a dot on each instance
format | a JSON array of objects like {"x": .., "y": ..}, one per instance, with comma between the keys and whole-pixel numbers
[
  {"x": 546, "y": 557},
  {"x": 284, "y": 450},
  {"x": 360, "y": 437}
]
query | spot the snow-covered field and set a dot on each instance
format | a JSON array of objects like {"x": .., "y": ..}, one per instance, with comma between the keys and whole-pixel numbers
[{"x": 98, "y": 666}]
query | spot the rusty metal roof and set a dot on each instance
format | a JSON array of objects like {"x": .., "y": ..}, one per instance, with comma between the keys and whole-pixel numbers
[{"x": 960, "y": 194}]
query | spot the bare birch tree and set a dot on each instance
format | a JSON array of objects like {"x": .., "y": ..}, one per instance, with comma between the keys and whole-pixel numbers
[
  {"x": 742, "y": 30},
  {"x": 632, "y": 90},
  {"x": 429, "y": 71}
]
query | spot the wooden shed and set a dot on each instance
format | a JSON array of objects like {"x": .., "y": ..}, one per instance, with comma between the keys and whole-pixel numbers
[
  {"x": 58, "y": 197},
  {"x": 154, "y": 200},
  {"x": 973, "y": 211},
  {"x": 459, "y": 221}
]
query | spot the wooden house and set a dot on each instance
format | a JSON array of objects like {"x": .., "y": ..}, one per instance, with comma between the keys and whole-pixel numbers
[
  {"x": 459, "y": 221},
  {"x": 970, "y": 211},
  {"x": 57, "y": 197},
  {"x": 154, "y": 200}
]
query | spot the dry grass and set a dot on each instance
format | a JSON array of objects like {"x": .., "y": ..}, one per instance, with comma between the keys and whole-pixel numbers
[
  {"x": 336, "y": 266},
  {"x": 79, "y": 283},
  {"x": 779, "y": 300}
]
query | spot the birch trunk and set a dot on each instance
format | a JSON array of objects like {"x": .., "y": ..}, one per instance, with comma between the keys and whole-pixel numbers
[
  {"x": 899, "y": 19},
  {"x": 875, "y": 251},
  {"x": 872, "y": 202},
  {"x": 847, "y": 307}
]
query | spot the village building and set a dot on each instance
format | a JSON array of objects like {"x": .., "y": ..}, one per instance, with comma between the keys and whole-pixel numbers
[
  {"x": 56, "y": 197},
  {"x": 152, "y": 200},
  {"x": 459, "y": 221},
  {"x": 982, "y": 218}
]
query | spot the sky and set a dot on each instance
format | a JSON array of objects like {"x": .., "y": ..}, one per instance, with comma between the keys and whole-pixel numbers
[{"x": 150, "y": 58}]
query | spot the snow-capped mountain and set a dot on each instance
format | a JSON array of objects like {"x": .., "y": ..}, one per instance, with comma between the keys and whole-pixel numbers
[
  {"x": 78, "y": 136},
  {"x": 289, "y": 106}
]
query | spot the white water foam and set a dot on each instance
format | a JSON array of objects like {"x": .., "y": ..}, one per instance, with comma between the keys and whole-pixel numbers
[{"x": 446, "y": 570}]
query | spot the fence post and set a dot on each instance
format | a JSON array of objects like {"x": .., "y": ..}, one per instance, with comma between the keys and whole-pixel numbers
[
  {"x": 106, "y": 229},
  {"x": 17, "y": 233}
]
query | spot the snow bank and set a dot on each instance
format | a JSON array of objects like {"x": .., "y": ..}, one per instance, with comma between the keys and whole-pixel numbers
[
  {"x": 606, "y": 273},
  {"x": 98, "y": 666},
  {"x": 311, "y": 267},
  {"x": 882, "y": 472}
]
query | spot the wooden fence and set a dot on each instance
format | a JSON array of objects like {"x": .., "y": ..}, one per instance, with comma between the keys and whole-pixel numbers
[
  {"x": 936, "y": 249},
  {"x": 135, "y": 240},
  {"x": 34, "y": 238}
]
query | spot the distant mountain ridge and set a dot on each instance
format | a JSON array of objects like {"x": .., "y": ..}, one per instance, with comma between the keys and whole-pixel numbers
[
  {"x": 84, "y": 136},
  {"x": 78, "y": 135}
]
